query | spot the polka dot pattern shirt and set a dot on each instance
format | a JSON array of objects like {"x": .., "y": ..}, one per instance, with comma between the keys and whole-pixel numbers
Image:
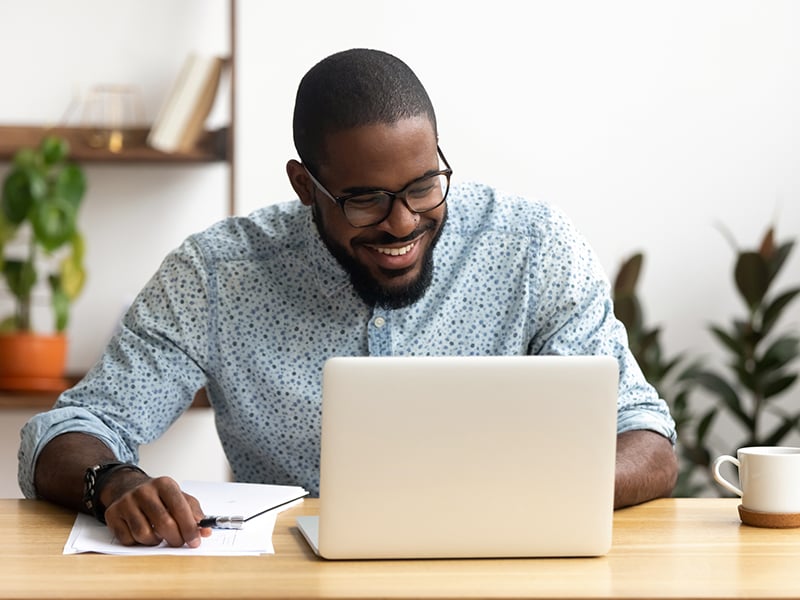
[{"x": 252, "y": 307}]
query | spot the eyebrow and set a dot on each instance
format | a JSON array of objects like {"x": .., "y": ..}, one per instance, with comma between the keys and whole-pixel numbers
[{"x": 367, "y": 189}]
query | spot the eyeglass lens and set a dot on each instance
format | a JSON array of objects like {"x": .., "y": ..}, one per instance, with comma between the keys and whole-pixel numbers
[{"x": 421, "y": 196}]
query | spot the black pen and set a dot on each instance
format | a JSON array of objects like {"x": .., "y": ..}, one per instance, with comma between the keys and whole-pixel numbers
[{"x": 237, "y": 522}]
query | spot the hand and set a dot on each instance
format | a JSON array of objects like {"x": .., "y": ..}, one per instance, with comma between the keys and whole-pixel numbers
[{"x": 147, "y": 510}]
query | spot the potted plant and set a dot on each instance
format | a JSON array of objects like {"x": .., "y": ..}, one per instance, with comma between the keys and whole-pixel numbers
[
  {"x": 39, "y": 244},
  {"x": 761, "y": 355},
  {"x": 672, "y": 377}
]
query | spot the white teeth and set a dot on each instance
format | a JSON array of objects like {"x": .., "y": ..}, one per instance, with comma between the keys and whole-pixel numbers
[{"x": 395, "y": 251}]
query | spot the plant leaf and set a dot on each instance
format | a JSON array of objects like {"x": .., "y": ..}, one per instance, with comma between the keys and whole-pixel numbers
[
  {"x": 774, "y": 309},
  {"x": 776, "y": 260},
  {"x": 704, "y": 424},
  {"x": 54, "y": 149},
  {"x": 782, "y": 351},
  {"x": 17, "y": 197},
  {"x": 778, "y": 385},
  {"x": 752, "y": 277},
  {"x": 70, "y": 184},
  {"x": 781, "y": 431},
  {"x": 72, "y": 277},
  {"x": 20, "y": 276},
  {"x": 727, "y": 340},
  {"x": 628, "y": 275},
  {"x": 721, "y": 388},
  {"x": 53, "y": 223},
  {"x": 60, "y": 302},
  {"x": 626, "y": 309}
]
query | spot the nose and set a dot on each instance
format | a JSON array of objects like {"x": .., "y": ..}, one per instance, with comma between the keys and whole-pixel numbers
[{"x": 401, "y": 221}]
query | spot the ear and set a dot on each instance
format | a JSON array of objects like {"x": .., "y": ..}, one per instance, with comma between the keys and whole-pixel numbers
[{"x": 302, "y": 185}]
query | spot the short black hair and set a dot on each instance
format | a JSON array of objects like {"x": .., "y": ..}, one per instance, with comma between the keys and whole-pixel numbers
[{"x": 350, "y": 89}]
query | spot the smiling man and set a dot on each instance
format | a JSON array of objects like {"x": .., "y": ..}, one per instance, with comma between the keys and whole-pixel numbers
[
  {"x": 384, "y": 240},
  {"x": 382, "y": 255}
]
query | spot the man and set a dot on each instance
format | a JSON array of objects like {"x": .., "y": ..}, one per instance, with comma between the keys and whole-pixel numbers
[{"x": 380, "y": 256}]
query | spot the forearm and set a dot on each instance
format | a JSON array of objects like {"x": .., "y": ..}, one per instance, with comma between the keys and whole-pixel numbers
[
  {"x": 646, "y": 468},
  {"x": 62, "y": 464}
]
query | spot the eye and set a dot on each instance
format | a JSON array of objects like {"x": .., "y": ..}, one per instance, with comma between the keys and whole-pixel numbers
[
  {"x": 422, "y": 188},
  {"x": 366, "y": 200}
]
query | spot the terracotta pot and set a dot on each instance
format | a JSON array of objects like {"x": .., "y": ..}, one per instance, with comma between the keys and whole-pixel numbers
[{"x": 32, "y": 361}]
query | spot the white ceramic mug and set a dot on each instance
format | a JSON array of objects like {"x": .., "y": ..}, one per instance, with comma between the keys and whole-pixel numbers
[{"x": 769, "y": 478}]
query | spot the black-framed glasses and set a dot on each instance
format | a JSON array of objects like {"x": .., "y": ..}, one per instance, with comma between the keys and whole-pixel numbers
[{"x": 364, "y": 209}]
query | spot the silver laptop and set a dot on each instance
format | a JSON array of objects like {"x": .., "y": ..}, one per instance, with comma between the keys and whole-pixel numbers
[{"x": 455, "y": 457}]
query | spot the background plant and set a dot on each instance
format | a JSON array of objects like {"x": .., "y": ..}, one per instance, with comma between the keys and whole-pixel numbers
[
  {"x": 758, "y": 370},
  {"x": 671, "y": 376},
  {"x": 42, "y": 193},
  {"x": 760, "y": 357}
]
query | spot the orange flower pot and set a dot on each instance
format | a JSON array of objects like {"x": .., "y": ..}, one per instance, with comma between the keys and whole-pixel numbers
[{"x": 32, "y": 362}]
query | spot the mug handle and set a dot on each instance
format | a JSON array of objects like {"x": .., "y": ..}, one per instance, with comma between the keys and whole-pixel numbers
[{"x": 720, "y": 479}]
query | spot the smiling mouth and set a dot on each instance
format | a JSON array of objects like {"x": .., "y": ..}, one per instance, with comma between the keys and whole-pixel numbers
[{"x": 394, "y": 251}]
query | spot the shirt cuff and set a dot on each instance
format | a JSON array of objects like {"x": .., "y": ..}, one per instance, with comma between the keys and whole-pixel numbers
[{"x": 42, "y": 428}]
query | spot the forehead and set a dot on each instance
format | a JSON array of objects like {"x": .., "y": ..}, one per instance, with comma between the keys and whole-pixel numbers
[{"x": 384, "y": 155}]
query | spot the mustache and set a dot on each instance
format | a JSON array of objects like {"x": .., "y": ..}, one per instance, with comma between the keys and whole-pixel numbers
[{"x": 387, "y": 238}]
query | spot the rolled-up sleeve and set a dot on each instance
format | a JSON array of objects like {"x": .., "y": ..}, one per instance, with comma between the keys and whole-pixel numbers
[
  {"x": 43, "y": 427},
  {"x": 147, "y": 376}
]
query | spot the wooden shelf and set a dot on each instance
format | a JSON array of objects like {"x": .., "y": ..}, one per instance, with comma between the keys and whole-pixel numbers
[
  {"x": 212, "y": 147},
  {"x": 42, "y": 401}
]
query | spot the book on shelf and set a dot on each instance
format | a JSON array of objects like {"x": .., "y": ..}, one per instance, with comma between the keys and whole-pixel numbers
[{"x": 181, "y": 119}]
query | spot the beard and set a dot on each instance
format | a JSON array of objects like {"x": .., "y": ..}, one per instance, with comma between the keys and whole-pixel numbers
[{"x": 371, "y": 290}]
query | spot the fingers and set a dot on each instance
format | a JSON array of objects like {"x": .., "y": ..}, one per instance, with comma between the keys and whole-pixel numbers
[{"x": 155, "y": 511}]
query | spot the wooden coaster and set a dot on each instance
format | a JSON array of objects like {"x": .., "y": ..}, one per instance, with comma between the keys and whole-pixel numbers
[{"x": 773, "y": 520}]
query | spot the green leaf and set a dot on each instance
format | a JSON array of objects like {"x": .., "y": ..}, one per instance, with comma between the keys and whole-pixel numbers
[
  {"x": 628, "y": 275},
  {"x": 752, "y": 277},
  {"x": 70, "y": 184},
  {"x": 721, "y": 388},
  {"x": 20, "y": 276},
  {"x": 53, "y": 223},
  {"x": 782, "y": 351},
  {"x": 747, "y": 377},
  {"x": 54, "y": 149},
  {"x": 705, "y": 424},
  {"x": 60, "y": 302},
  {"x": 777, "y": 259},
  {"x": 26, "y": 158},
  {"x": 775, "y": 386},
  {"x": 7, "y": 231},
  {"x": 727, "y": 340},
  {"x": 626, "y": 309},
  {"x": 780, "y": 432},
  {"x": 774, "y": 309},
  {"x": 17, "y": 197}
]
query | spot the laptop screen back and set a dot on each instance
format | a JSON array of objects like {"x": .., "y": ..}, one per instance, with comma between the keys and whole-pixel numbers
[{"x": 427, "y": 457}]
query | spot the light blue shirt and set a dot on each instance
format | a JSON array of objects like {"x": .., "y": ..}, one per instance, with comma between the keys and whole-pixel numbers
[{"x": 252, "y": 308}]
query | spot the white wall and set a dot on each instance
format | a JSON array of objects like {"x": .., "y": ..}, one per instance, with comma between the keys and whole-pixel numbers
[{"x": 648, "y": 122}]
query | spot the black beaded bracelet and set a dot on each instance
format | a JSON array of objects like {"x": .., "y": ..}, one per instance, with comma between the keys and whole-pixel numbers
[{"x": 93, "y": 481}]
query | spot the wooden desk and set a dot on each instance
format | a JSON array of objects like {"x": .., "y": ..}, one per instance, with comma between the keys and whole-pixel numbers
[{"x": 675, "y": 548}]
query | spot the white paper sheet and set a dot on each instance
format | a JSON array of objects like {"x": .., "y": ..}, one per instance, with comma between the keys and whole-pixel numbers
[{"x": 216, "y": 498}]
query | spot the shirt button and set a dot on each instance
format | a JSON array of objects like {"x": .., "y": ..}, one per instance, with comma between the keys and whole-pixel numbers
[{"x": 379, "y": 322}]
